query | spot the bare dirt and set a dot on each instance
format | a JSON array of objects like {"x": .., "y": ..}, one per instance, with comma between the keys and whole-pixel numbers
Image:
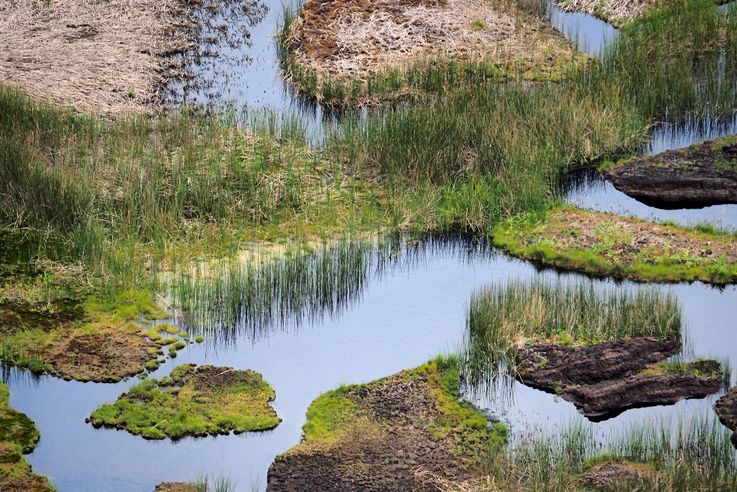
[
  {"x": 605, "y": 379},
  {"x": 349, "y": 39},
  {"x": 726, "y": 408},
  {"x": 700, "y": 175}
]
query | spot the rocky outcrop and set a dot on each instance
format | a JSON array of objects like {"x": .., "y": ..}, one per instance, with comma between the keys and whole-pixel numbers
[
  {"x": 700, "y": 175},
  {"x": 727, "y": 410},
  {"x": 605, "y": 379}
]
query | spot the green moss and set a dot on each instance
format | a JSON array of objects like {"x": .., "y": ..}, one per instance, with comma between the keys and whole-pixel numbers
[
  {"x": 199, "y": 339},
  {"x": 193, "y": 401}
]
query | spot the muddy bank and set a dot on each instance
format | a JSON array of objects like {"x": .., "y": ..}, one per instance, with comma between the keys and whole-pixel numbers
[
  {"x": 404, "y": 432},
  {"x": 18, "y": 436},
  {"x": 700, "y": 175},
  {"x": 176, "y": 487},
  {"x": 616, "y": 475},
  {"x": 107, "y": 56},
  {"x": 606, "y": 244},
  {"x": 605, "y": 379},
  {"x": 727, "y": 410},
  {"x": 193, "y": 401},
  {"x": 346, "y": 43}
]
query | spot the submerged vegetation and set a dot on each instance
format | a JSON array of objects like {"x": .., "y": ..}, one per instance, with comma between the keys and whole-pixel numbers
[
  {"x": 621, "y": 247},
  {"x": 193, "y": 401},
  {"x": 18, "y": 436}
]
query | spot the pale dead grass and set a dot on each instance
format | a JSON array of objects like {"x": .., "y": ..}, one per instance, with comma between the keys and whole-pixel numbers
[
  {"x": 350, "y": 39},
  {"x": 615, "y": 11},
  {"x": 93, "y": 54}
]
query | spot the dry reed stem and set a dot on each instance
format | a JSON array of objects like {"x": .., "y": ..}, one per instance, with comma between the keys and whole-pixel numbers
[
  {"x": 615, "y": 11},
  {"x": 106, "y": 56}
]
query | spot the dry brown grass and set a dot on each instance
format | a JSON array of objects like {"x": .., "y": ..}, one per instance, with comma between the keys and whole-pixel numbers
[
  {"x": 352, "y": 38},
  {"x": 615, "y": 11},
  {"x": 105, "y": 56}
]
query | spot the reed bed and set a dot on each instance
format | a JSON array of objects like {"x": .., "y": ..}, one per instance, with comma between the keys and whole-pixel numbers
[
  {"x": 685, "y": 455},
  {"x": 503, "y": 316}
]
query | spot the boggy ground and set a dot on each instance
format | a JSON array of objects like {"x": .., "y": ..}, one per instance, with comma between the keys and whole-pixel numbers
[
  {"x": 18, "y": 436},
  {"x": 350, "y": 42},
  {"x": 193, "y": 401},
  {"x": 727, "y": 410},
  {"x": 621, "y": 247},
  {"x": 403, "y": 432},
  {"x": 605, "y": 379},
  {"x": 703, "y": 174}
]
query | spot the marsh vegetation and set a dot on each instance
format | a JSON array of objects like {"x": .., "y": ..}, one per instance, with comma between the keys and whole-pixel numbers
[{"x": 231, "y": 225}]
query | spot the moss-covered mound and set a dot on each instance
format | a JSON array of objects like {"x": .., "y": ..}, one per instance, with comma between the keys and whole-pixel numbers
[
  {"x": 700, "y": 175},
  {"x": 409, "y": 431},
  {"x": 360, "y": 51},
  {"x": 193, "y": 401},
  {"x": 621, "y": 247},
  {"x": 18, "y": 436},
  {"x": 105, "y": 343}
]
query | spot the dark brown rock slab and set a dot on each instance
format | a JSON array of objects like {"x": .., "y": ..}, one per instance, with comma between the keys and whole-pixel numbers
[
  {"x": 726, "y": 409},
  {"x": 605, "y": 379},
  {"x": 700, "y": 175}
]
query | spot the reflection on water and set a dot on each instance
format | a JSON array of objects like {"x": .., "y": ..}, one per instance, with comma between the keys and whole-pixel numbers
[
  {"x": 588, "y": 34},
  {"x": 404, "y": 316}
]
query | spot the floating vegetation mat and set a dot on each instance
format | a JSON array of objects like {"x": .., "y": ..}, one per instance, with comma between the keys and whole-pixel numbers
[{"x": 193, "y": 401}]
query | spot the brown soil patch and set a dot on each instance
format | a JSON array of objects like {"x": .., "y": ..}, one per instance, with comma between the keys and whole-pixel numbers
[
  {"x": 395, "y": 442},
  {"x": 605, "y": 379},
  {"x": 727, "y": 410},
  {"x": 703, "y": 174},
  {"x": 350, "y": 39}
]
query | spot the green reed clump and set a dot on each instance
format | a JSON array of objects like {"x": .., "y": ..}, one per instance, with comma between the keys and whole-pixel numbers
[
  {"x": 569, "y": 313},
  {"x": 680, "y": 456}
]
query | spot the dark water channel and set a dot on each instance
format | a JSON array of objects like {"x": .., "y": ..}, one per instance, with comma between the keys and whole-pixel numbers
[{"x": 401, "y": 319}]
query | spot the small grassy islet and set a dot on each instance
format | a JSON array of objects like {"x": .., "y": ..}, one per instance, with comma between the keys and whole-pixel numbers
[{"x": 193, "y": 401}]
